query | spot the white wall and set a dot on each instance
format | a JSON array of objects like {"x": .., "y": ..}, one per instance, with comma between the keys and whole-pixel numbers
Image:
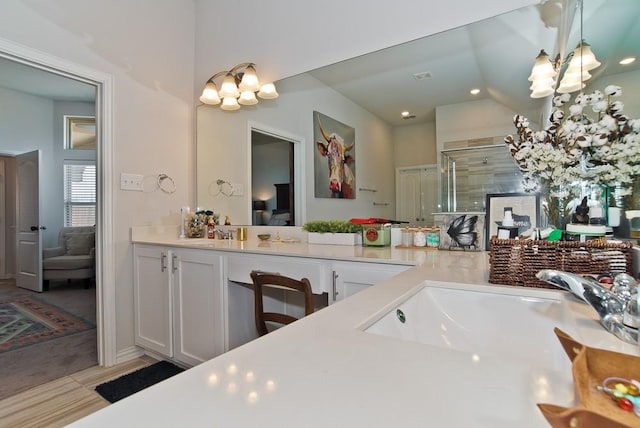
[
  {"x": 223, "y": 140},
  {"x": 147, "y": 46},
  {"x": 470, "y": 120},
  {"x": 414, "y": 144}
]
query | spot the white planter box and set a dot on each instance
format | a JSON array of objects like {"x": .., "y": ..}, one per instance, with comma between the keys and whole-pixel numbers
[{"x": 334, "y": 238}]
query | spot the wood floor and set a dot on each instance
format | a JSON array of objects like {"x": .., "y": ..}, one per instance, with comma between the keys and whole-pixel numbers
[{"x": 62, "y": 401}]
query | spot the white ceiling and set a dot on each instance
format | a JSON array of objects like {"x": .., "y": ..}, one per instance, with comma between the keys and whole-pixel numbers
[{"x": 494, "y": 55}]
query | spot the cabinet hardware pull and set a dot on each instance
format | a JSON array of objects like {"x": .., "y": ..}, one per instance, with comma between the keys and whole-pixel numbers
[
  {"x": 163, "y": 262},
  {"x": 174, "y": 263},
  {"x": 335, "y": 285}
]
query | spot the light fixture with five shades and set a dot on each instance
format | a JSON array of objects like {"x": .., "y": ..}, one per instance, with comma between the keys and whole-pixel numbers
[
  {"x": 240, "y": 86},
  {"x": 545, "y": 70}
]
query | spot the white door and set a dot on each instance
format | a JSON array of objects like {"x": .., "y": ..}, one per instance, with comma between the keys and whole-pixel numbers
[
  {"x": 417, "y": 194},
  {"x": 408, "y": 196},
  {"x": 29, "y": 240}
]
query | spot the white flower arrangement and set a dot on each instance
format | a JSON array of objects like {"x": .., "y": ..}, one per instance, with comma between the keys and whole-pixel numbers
[{"x": 604, "y": 149}]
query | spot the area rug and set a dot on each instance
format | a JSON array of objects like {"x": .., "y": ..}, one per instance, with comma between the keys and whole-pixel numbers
[
  {"x": 26, "y": 321},
  {"x": 131, "y": 383}
]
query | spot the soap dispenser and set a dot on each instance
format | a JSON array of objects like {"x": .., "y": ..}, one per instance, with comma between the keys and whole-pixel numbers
[{"x": 507, "y": 229}]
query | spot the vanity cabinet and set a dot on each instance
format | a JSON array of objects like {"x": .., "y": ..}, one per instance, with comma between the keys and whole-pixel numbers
[
  {"x": 193, "y": 304},
  {"x": 152, "y": 299},
  {"x": 197, "y": 306},
  {"x": 240, "y": 322},
  {"x": 179, "y": 302},
  {"x": 348, "y": 278}
]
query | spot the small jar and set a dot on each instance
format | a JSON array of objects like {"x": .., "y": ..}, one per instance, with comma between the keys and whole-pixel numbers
[
  {"x": 433, "y": 237},
  {"x": 420, "y": 238},
  {"x": 407, "y": 237}
]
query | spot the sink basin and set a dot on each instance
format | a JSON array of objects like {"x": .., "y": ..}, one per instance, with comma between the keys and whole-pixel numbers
[{"x": 484, "y": 323}]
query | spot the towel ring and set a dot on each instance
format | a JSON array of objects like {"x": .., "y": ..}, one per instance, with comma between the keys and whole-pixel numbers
[
  {"x": 224, "y": 187},
  {"x": 166, "y": 188}
]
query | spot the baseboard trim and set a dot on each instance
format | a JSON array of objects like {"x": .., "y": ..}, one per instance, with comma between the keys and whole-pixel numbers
[{"x": 129, "y": 354}]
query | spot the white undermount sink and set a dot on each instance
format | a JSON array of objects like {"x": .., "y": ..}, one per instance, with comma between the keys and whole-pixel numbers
[{"x": 511, "y": 325}]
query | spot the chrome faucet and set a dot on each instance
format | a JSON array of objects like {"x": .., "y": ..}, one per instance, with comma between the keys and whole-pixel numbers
[{"x": 617, "y": 307}]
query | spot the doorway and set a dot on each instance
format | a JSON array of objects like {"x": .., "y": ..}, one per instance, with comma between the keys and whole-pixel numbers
[
  {"x": 272, "y": 180},
  {"x": 277, "y": 185},
  {"x": 101, "y": 86}
]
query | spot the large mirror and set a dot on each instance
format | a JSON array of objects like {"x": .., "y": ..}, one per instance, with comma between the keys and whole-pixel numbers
[{"x": 431, "y": 79}]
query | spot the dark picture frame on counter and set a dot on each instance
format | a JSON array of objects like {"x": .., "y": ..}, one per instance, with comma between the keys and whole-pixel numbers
[
  {"x": 462, "y": 232},
  {"x": 525, "y": 209}
]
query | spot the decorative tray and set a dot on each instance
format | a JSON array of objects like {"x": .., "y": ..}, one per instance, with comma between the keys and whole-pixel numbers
[{"x": 591, "y": 367}]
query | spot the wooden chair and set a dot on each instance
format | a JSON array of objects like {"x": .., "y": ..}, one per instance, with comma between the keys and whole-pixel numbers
[{"x": 261, "y": 280}]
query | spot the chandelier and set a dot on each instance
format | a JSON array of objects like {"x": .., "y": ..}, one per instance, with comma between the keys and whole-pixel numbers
[
  {"x": 545, "y": 71},
  {"x": 240, "y": 86}
]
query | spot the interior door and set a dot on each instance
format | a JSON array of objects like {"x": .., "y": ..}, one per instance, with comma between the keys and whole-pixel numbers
[
  {"x": 408, "y": 203},
  {"x": 417, "y": 195},
  {"x": 28, "y": 238}
]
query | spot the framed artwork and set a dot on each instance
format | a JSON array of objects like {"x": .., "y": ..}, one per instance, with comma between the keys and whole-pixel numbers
[
  {"x": 464, "y": 232},
  {"x": 79, "y": 132},
  {"x": 334, "y": 160},
  {"x": 525, "y": 208}
]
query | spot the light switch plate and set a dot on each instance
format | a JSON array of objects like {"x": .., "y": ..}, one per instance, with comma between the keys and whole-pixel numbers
[
  {"x": 131, "y": 182},
  {"x": 238, "y": 189}
]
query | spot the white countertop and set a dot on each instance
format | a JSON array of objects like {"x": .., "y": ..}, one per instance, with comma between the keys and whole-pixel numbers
[
  {"x": 292, "y": 244},
  {"x": 323, "y": 371}
]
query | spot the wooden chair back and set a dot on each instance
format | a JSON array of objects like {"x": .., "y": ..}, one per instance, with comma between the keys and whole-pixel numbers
[{"x": 262, "y": 280}]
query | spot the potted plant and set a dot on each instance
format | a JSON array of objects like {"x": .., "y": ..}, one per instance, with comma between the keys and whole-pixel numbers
[{"x": 335, "y": 232}]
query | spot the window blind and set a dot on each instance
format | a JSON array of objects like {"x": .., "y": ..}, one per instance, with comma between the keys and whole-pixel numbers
[{"x": 79, "y": 193}]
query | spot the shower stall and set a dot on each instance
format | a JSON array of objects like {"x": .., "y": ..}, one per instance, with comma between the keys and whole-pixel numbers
[{"x": 470, "y": 173}]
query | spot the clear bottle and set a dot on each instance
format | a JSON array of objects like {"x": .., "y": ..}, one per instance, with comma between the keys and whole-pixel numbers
[{"x": 211, "y": 228}]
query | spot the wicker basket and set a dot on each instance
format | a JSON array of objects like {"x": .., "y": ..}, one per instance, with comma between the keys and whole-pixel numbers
[{"x": 516, "y": 262}]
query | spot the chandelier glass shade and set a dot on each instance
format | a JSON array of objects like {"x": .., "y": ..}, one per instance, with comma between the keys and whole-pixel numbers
[
  {"x": 545, "y": 72},
  {"x": 239, "y": 86}
]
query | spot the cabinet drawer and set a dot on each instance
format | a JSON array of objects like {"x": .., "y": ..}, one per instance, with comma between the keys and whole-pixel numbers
[{"x": 240, "y": 267}]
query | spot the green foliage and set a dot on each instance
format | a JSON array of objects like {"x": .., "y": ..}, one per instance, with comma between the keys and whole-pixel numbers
[{"x": 332, "y": 226}]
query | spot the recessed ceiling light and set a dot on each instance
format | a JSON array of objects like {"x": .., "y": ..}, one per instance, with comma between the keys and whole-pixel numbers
[
  {"x": 628, "y": 60},
  {"x": 474, "y": 91},
  {"x": 405, "y": 113}
]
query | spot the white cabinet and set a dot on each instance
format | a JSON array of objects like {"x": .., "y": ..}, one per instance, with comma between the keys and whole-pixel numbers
[
  {"x": 152, "y": 299},
  {"x": 417, "y": 194},
  {"x": 198, "y": 310},
  {"x": 179, "y": 310},
  {"x": 352, "y": 277},
  {"x": 240, "y": 322}
]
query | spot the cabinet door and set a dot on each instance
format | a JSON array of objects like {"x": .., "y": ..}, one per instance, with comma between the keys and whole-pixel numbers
[
  {"x": 152, "y": 299},
  {"x": 350, "y": 278},
  {"x": 198, "y": 305}
]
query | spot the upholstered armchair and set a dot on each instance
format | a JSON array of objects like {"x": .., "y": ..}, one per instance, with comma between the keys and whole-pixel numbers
[{"x": 73, "y": 258}]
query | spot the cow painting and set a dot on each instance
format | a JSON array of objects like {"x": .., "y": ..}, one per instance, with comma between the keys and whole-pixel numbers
[{"x": 337, "y": 179}]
